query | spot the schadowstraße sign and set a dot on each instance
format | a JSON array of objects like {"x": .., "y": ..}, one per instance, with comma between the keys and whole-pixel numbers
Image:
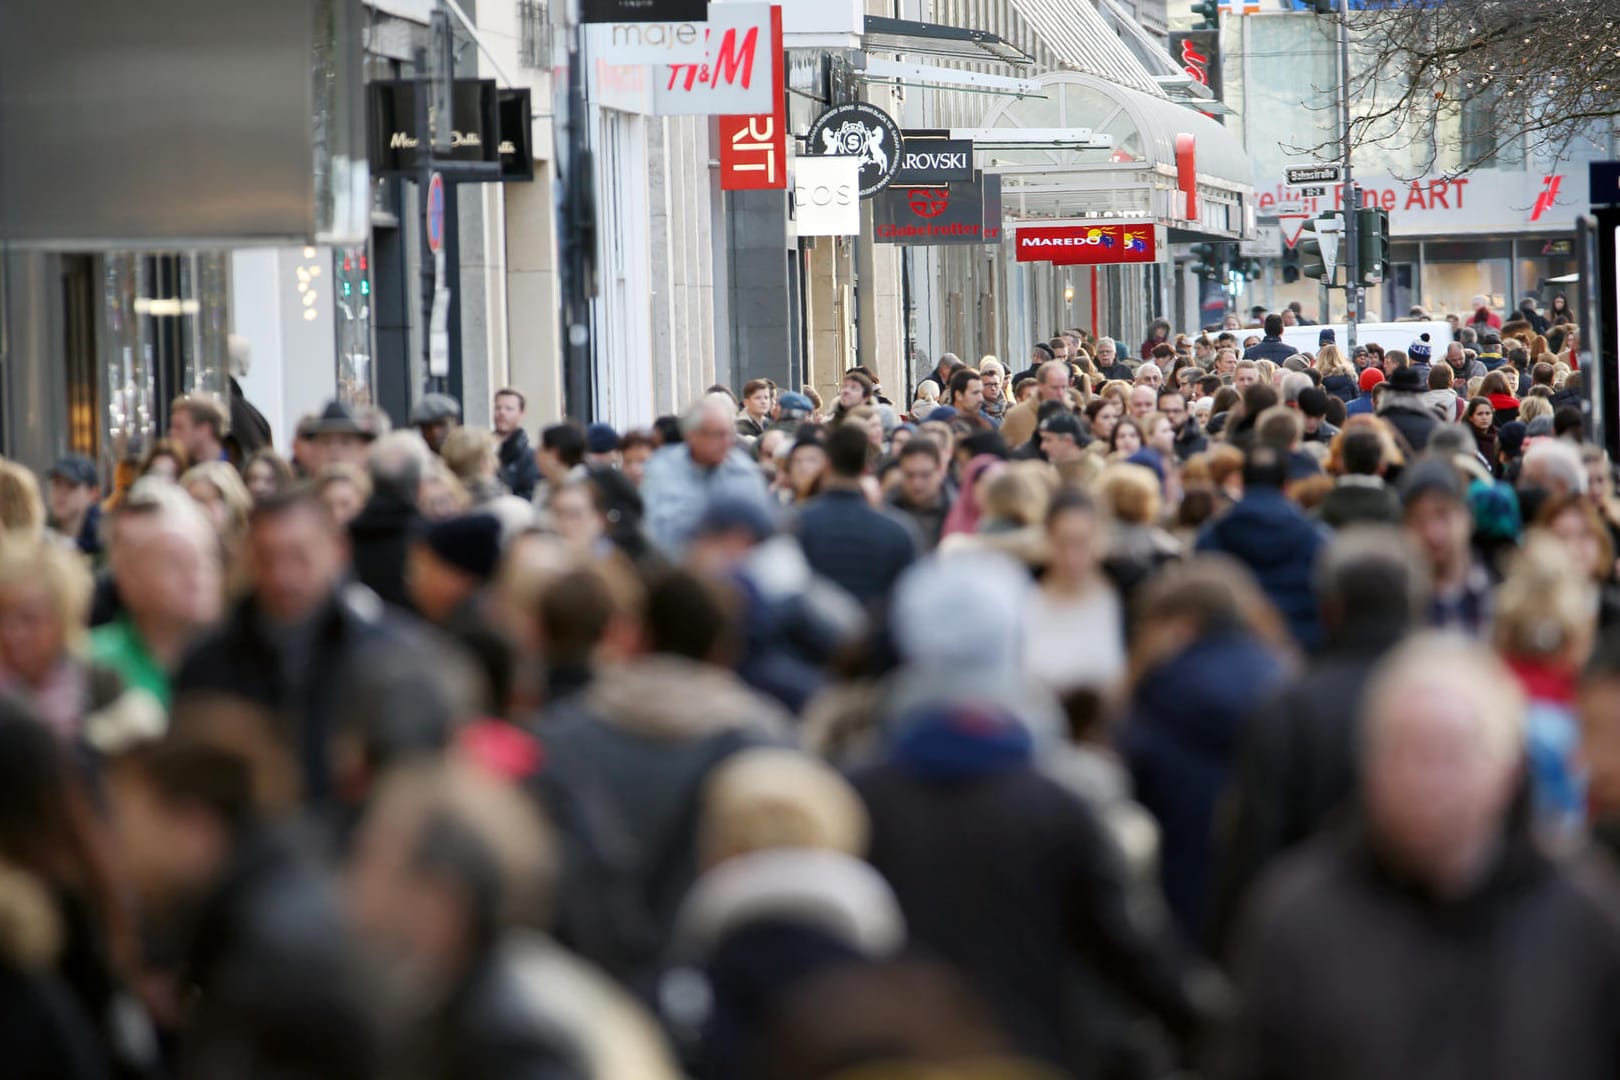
[
  {"x": 933, "y": 157},
  {"x": 965, "y": 212},
  {"x": 859, "y": 131}
]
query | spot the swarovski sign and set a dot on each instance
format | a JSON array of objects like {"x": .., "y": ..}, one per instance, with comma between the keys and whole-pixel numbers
[{"x": 932, "y": 157}]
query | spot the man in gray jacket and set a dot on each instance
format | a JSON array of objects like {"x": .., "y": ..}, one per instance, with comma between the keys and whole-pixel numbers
[{"x": 682, "y": 479}]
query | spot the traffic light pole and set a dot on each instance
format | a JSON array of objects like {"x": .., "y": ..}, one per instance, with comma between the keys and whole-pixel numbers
[{"x": 1355, "y": 292}]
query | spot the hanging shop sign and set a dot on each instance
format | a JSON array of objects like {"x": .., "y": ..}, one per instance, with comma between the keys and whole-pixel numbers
[
  {"x": 753, "y": 149},
  {"x": 644, "y": 11},
  {"x": 1199, "y": 54},
  {"x": 826, "y": 196},
  {"x": 475, "y": 130},
  {"x": 1087, "y": 245},
  {"x": 733, "y": 77},
  {"x": 933, "y": 157},
  {"x": 516, "y": 144},
  {"x": 965, "y": 212},
  {"x": 863, "y": 132}
]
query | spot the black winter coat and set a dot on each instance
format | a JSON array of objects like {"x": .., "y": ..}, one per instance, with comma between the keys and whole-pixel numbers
[
  {"x": 862, "y": 550},
  {"x": 519, "y": 471},
  {"x": 1352, "y": 973},
  {"x": 1010, "y": 877},
  {"x": 380, "y": 537},
  {"x": 1415, "y": 424},
  {"x": 1360, "y": 504}
]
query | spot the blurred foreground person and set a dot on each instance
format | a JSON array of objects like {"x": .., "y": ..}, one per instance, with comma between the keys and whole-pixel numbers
[
  {"x": 681, "y": 479},
  {"x": 260, "y": 977},
  {"x": 1300, "y": 752},
  {"x": 381, "y": 535},
  {"x": 1436, "y": 940}
]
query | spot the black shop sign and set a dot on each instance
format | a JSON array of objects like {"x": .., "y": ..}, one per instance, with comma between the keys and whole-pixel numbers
[
  {"x": 617, "y": 11},
  {"x": 490, "y": 131},
  {"x": 933, "y": 157},
  {"x": 966, "y": 212}
]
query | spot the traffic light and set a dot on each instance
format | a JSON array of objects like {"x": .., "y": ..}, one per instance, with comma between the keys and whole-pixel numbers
[
  {"x": 1372, "y": 244},
  {"x": 1250, "y": 268},
  {"x": 1206, "y": 261},
  {"x": 1290, "y": 266},
  {"x": 1313, "y": 263},
  {"x": 1208, "y": 13}
]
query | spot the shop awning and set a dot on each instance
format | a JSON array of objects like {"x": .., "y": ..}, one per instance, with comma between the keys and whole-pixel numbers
[
  {"x": 1083, "y": 42},
  {"x": 884, "y": 34},
  {"x": 1138, "y": 176}
]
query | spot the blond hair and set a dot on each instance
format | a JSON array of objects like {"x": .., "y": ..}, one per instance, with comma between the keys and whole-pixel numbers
[
  {"x": 778, "y": 798},
  {"x": 59, "y": 570},
  {"x": 22, "y": 510},
  {"x": 1131, "y": 492},
  {"x": 1546, "y": 607},
  {"x": 228, "y": 483},
  {"x": 1534, "y": 407},
  {"x": 471, "y": 453}
]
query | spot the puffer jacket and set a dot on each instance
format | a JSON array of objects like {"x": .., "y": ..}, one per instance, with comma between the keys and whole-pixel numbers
[{"x": 1272, "y": 536}]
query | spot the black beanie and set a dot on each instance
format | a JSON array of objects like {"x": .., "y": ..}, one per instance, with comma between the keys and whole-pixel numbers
[{"x": 471, "y": 543}]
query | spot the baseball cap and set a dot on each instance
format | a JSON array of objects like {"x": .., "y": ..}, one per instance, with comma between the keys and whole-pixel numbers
[
  {"x": 792, "y": 405},
  {"x": 1064, "y": 423},
  {"x": 76, "y": 469}
]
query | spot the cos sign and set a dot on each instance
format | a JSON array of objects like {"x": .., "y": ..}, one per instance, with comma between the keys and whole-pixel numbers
[{"x": 827, "y": 196}]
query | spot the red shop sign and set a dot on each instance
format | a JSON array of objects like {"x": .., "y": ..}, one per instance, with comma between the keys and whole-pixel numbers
[
  {"x": 1087, "y": 245},
  {"x": 753, "y": 149}
]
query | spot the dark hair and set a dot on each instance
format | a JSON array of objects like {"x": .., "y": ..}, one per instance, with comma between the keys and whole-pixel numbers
[
  {"x": 278, "y": 465},
  {"x": 507, "y": 391},
  {"x": 847, "y": 449},
  {"x": 634, "y": 439},
  {"x": 1209, "y": 385},
  {"x": 1440, "y": 377},
  {"x": 1258, "y": 398},
  {"x": 300, "y": 498},
  {"x": 1070, "y": 500},
  {"x": 206, "y": 411},
  {"x": 668, "y": 429},
  {"x": 1362, "y": 452},
  {"x": 575, "y": 611},
  {"x": 1498, "y": 380},
  {"x": 1225, "y": 399},
  {"x": 1171, "y": 391},
  {"x": 688, "y": 616},
  {"x": 754, "y": 386},
  {"x": 922, "y": 446},
  {"x": 566, "y": 440},
  {"x": 1568, "y": 418},
  {"x": 1274, "y": 326},
  {"x": 960, "y": 379},
  {"x": 1336, "y": 412},
  {"x": 1542, "y": 374},
  {"x": 189, "y": 770},
  {"x": 1265, "y": 466},
  {"x": 1043, "y": 347}
]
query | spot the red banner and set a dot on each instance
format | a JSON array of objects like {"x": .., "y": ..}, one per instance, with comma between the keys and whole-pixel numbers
[
  {"x": 753, "y": 149},
  {"x": 1087, "y": 245}
]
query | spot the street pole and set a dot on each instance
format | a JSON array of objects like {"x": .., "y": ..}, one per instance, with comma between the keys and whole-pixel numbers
[{"x": 1355, "y": 293}]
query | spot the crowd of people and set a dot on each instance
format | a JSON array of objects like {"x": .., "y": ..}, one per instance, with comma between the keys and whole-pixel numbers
[{"x": 1208, "y": 708}]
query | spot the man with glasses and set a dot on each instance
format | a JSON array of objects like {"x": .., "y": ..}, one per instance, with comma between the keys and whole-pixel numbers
[
  {"x": 994, "y": 404},
  {"x": 1190, "y": 438}
]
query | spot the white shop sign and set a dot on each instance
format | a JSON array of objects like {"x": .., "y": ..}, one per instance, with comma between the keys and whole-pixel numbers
[
  {"x": 1489, "y": 201},
  {"x": 667, "y": 42},
  {"x": 731, "y": 78},
  {"x": 827, "y": 196}
]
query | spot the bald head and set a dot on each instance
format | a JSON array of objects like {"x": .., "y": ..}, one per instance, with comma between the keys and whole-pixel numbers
[{"x": 1442, "y": 733}]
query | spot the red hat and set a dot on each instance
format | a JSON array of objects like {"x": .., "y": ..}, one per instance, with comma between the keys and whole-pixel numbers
[{"x": 1370, "y": 378}]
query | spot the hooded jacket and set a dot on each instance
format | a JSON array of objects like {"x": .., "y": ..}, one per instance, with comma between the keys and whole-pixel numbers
[{"x": 1272, "y": 536}]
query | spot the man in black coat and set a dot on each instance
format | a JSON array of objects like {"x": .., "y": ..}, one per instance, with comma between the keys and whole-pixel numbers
[
  {"x": 1402, "y": 405},
  {"x": 380, "y": 536},
  {"x": 302, "y": 644},
  {"x": 1298, "y": 763},
  {"x": 1271, "y": 347},
  {"x": 519, "y": 470},
  {"x": 1361, "y": 495},
  {"x": 1438, "y": 939},
  {"x": 860, "y": 549}
]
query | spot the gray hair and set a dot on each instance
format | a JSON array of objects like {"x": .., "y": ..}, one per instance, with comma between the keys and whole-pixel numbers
[
  {"x": 398, "y": 462},
  {"x": 1448, "y": 440},
  {"x": 1293, "y": 384},
  {"x": 1554, "y": 459},
  {"x": 702, "y": 409}
]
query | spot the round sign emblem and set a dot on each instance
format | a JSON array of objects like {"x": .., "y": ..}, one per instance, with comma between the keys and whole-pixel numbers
[
  {"x": 435, "y": 213},
  {"x": 859, "y": 131}
]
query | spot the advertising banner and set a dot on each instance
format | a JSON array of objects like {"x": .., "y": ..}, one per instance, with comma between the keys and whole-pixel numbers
[
  {"x": 963, "y": 213},
  {"x": 1087, "y": 245},
  {"x": 753, "y": 149}
]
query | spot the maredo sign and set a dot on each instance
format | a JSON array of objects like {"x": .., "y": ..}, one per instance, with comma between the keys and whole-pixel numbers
[{"x": 1087, "y": 245}]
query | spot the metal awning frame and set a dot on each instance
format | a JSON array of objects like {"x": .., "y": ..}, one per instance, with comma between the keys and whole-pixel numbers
[
  {"x": 933, "y": 77},
  {"x": 884, "y": 34}
]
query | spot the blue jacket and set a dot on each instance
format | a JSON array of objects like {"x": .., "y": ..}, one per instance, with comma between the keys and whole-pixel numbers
[
  {"x": 1362, "y": 406},
  {"x": 1342, "y": 387},
  {"x": 1185, "y": 724},
  {"x": 862, "y": 550},
  {"x": 1270, "y": 534},
  {"x": 1270, "y": 348}
]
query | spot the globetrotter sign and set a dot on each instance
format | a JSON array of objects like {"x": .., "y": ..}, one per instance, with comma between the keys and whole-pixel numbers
[
  {"x": 963, "y": 213},
  {"x": 1087, "y": 245}
]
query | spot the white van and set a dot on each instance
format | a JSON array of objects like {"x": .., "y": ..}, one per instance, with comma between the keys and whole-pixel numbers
[{"x": 1391, "y": 335}]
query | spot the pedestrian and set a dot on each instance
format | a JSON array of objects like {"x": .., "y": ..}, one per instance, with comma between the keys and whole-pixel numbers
[
  {"x": 1271, "y": 347},
  {"x": 1439, "y": 522},
  {"x": 379, "y": 535},
  {"x": 1274, "y": 538},
  {"x": 1352, "y": 943},
  {"x": 920, "y": 496},
  {"x": 755, "y": 415},
  {"x": 75, "y": 503},
  {"x": 199, "y": 424},
  {"x": 267, "y": 473},
  {"x": 1074, "y": 633},
  {"x": 434, "y": 416},
  {"x": 518, "y": 470},
  {"x": 682, "y": 478},
  {"x": 845, "y": 540}
]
